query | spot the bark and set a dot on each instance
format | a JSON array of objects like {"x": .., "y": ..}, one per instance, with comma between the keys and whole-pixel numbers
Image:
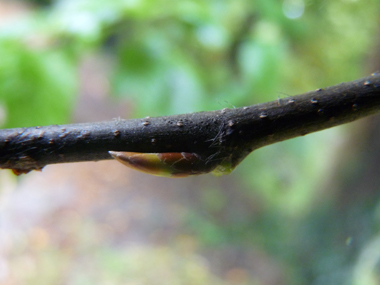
[{"x": 216, "y": 135}]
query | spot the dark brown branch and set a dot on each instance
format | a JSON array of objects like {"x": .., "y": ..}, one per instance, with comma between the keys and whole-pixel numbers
[{"x": 219, "y": 134}]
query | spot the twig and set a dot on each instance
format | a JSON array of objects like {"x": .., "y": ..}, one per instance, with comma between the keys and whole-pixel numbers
[{"x": 216, "y": 135}]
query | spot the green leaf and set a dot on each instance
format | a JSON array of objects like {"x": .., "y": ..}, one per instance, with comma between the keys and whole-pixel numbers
[{"x": 37, "y": 87}]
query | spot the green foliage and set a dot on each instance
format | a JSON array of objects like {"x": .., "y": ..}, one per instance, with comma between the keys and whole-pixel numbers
[
  {"x": 37, "y": 86},
  {"x": 196, "y": 55}
]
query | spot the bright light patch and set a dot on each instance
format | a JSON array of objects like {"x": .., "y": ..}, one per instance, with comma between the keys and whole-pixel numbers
[
  {"x": 293, "y": 9},
  {"x": 212, "y": 36}
]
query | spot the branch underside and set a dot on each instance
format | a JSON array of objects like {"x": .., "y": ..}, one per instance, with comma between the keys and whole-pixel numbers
[{"x": 216, "y": 135}]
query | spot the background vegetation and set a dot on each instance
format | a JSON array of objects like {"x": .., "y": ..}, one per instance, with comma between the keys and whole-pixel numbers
[{"x": 305, "y": 211}]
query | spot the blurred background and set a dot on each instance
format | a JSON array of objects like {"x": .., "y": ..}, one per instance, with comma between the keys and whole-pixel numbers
[{"x": 304, "y": 211}]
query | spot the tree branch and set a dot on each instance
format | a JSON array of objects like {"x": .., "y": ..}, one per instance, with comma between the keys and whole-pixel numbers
[{"x": 228, "y": 134}]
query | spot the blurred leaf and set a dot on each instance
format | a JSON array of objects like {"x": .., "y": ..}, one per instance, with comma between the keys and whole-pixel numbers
[{"x": 37, "y": 87}]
